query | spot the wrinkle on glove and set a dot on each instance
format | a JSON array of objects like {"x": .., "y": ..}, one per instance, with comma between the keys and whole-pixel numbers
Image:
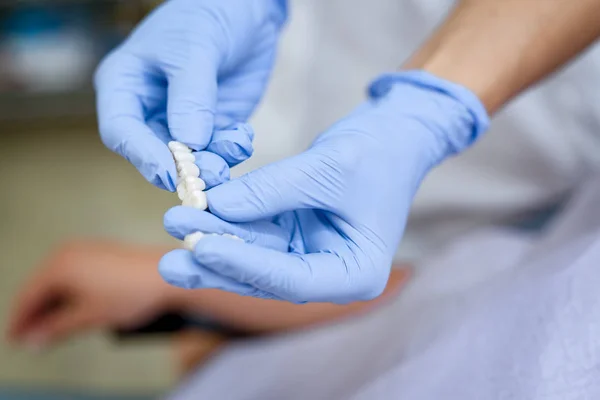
[{"x": 344, "y": 202}]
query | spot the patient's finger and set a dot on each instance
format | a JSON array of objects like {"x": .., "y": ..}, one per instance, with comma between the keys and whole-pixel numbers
[
  {"x": 31, "y": 303},
  {"x": 58, "y": 325}
]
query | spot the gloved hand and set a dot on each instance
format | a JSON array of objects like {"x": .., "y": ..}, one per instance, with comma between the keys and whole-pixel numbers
[
  {"x": 340, "y": 207},
  {"x": 179, "y": 267},
  {"x": 191, "y": 68}
]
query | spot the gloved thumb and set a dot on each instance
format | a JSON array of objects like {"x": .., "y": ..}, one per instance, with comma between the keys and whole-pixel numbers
[
  {"x": 192, "y": 98},
  {"x": 294, "y": 183}
]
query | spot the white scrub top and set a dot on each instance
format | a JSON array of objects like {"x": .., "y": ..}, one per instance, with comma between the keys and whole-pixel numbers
[{"x": 538, "y": 148}]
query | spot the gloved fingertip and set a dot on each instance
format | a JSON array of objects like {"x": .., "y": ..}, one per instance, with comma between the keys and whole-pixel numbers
[
  {"x": 248, "y": 129},
  {"x": 213, "y": 169},
  {"x": 150, "y": 156},
  {"x": 242, "y": 129},
  {"x": 227, "y": 201},
  {"x": 160, "y": 179},
  {"x": 214, "y": 250},
  {"x": 159, "y": 176},
  {"x": 193, "y": 129},
  {"x": 180, "y": 221},
  {"x": 234, "y": 144},
  {"x": 233, "y": 153},
  {"x": 177, "y": 269},
  {"x": 172, "y": 185},
  {"x": 172, "y": 219},
  {"x": 183, "y": 282},
  {"x": 174, "y": 214},
  {"x": 168, "y": 181}
]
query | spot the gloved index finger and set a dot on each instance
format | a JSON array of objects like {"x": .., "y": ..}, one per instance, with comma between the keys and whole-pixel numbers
[
  {"x": 294, "y": 183},
  {"x": 213, "y": 169},
  {"x": 233, "y": 144},
  {"x": 181, "y": 221},
  {"x": 122, "y": 121},
  {"x": 192, "y": 95},
  {"x": 297, "y": 278},
  {"x": 179, "y": 268}
]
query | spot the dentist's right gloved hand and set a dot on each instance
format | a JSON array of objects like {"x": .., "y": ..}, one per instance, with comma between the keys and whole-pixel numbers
[
  {"x": 340, "y": 207},
  {"x": 192, "y": 71}
]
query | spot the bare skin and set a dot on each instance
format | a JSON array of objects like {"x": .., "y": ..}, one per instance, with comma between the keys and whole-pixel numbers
[
  {"x": 105, "y": 285},
  {"x": 497, "y": 48}
]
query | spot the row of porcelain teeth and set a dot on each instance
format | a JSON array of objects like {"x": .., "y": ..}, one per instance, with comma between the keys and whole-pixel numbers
[
  {"x": 191, "y": 240},
  {"x": 190, "y": 188}
]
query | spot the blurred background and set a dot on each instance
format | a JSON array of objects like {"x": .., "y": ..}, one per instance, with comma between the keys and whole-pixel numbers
[
  {"x": 50, "y": 49},
  {"x": 61, "y": 183}
]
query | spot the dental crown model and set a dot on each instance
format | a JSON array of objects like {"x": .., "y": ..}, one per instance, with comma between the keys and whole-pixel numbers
[{"x": 190, "y": 187}]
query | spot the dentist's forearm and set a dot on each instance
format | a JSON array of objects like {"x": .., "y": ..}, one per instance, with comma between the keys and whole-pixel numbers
[{"x": 498, "y": 48}]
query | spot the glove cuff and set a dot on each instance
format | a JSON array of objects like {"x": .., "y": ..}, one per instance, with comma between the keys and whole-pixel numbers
[{"x": 478, "y": 115}]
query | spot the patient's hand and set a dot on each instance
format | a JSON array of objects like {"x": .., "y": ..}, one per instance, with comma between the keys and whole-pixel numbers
[{"x": 89, "y": 285}]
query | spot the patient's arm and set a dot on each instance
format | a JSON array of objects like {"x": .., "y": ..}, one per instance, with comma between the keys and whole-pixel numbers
[
  {"x": 257, "y": 315},
  {"x": 497, "y": 48},
  {"x": 86, "y": 285}
]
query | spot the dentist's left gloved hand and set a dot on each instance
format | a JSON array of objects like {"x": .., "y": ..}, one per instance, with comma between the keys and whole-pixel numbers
[
  {"x": 192, "y": 71},
  {"x": 324, "y": 225}
]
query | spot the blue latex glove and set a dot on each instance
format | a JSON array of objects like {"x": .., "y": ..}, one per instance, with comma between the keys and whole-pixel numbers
[
  {"x": 179, "y": 267},
  {"x": 191, "y": 68},
  {"x": 341, "y": 206}
]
